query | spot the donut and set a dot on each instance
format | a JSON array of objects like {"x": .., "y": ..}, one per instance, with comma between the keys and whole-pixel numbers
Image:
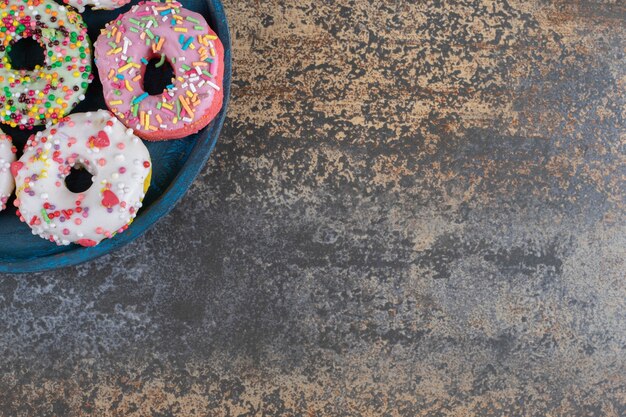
[
  {"x": 96, "y": 4},
  {"x": 49, "y": 91},
  {"x": 167, "y": 32},
  {"x": 7, "y": 156},
  {"x": 98, "y": 142}
]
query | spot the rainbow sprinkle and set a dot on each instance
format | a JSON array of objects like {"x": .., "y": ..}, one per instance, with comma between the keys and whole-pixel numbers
[
  {"x": 47, "y": 92},
  {"x": 196, "y": 66}
]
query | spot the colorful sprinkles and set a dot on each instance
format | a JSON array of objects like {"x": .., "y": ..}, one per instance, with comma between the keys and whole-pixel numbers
[
  {"x": 172, "y": 34},
  {"x": 106, "y": 144},
  {"x": 98, "y": 142},
  {"x": 47, "y": 93}
]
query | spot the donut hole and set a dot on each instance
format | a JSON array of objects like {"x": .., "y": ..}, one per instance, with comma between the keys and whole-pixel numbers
[
  {"x": 159, "y": 74},
  {"x": 26, "y": 54},
  {"x": 79, "y": 179}
]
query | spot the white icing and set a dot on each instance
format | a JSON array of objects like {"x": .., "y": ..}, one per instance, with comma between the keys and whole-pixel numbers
[
  {"x": 48, "y": 92},
  {"x": 117, "y": 181},
  {"x": 7, "y": 156},
  {"x": 96, "y": 4}
]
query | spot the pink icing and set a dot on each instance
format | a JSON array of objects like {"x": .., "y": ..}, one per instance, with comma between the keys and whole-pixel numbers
[{"x": 192, "y": 49}]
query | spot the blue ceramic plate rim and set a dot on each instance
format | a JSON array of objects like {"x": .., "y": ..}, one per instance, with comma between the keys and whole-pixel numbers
[{"x": 166, "y": 201}]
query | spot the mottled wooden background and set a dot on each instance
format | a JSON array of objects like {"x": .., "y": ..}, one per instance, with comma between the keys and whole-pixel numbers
[{"x": 416, "y": 209}]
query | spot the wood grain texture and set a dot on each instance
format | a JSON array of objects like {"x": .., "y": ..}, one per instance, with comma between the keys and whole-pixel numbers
[{"x": 415, "y": 209}]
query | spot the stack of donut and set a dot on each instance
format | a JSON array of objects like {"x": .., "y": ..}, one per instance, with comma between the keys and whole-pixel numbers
[{"x": 106, "y": 143}]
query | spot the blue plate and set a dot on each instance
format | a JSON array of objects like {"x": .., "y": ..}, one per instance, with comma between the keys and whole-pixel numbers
[{"x": 176, "y": 164}]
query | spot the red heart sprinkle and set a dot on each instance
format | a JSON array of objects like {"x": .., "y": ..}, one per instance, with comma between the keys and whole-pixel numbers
[
  {"x": 87, "y": 242},
  {"x": 15, "y": 167},
  {"x": 101, "y": 141},
  {"x": 109, "y": 199}
]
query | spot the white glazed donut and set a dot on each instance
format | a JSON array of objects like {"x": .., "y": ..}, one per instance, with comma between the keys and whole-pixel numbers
[
  {"x": 121, "y": 169},
  {"x": 7, "y": 156},
  {"x": 96, "y": 4}
]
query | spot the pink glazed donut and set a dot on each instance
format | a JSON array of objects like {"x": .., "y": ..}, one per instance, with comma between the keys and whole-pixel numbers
[{"x": 164, "y": 31}]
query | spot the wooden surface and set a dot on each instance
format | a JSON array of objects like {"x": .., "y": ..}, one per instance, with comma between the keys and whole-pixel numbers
[{"x": 414, "y": 210}]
